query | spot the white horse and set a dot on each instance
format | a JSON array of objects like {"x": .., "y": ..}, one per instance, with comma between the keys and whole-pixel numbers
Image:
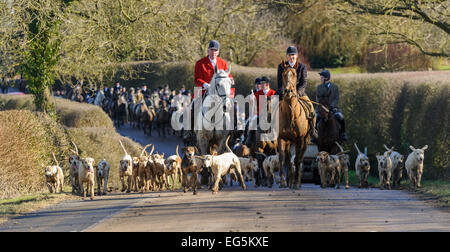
[{"x": 213, "y": 121}]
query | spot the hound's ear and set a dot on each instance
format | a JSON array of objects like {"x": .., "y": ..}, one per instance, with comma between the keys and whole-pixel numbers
[
  {"x": 412, "y": 148},
  {"x": 196, "y": 150},
  {"x": 377, "y": 155},
  {"x": 425, "y": 147},
  {"x": 183, "y": 150}
]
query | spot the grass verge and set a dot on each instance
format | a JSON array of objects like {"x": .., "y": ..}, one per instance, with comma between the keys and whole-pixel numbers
[
  {"x": 13, "y": 207},
  {"x": 438, "y": 189}
]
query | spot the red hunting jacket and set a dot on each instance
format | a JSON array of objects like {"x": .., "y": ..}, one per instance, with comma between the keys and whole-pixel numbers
[
  {"x": 261, "y": 92},
  {"x": 204, "y": 71}
]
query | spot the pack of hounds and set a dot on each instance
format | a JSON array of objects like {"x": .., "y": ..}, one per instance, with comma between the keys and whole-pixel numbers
[{"x": 152, "y": 172}]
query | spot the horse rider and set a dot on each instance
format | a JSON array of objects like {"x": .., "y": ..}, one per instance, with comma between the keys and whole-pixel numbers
[
  {"x": 205, "y": 67},
  {"x": 117, "y": 88},
  {"x": 331, "y": 92},
  {"x": 302, "y": 74},
  {"x": 132, "y": 96},
  {"x": 265, "y": 90},
  {"x": 145, "y": 91},
  {"x": 154, "y": 99}
]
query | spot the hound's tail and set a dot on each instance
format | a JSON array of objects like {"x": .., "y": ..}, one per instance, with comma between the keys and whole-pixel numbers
[
  {"x": 151, "y": 152},
  {"x": 387, "y": 149},
  {"x": 340, "y": 147},
  {"x": 76, "y": 148},
  {"x": 54, "y": 158},
  {"x": 356, "y": 146},
  {"x": 144, "y": 149},
  {"x": 226, "y": 144},
  {"x": 123, "y": 148}
]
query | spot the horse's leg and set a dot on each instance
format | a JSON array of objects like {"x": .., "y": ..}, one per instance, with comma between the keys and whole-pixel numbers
[
  {"x": 299, "y": 154},
  {"x": 282, "y": 153}
]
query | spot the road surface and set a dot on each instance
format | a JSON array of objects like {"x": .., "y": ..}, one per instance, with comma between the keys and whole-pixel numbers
[{"x": 232, "y": 209}]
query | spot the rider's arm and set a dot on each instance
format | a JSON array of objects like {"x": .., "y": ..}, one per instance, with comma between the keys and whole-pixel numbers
[
  {"x": 302, "y": 77},
  {"x": 198, "y": 75}
]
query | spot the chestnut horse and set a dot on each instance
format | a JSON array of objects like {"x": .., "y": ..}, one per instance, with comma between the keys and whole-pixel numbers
[
  {"x": 328, "y": 129},
  {"x": 293, "y": 129}
]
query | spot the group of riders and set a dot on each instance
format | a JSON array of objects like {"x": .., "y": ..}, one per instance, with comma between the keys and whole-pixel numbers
[
  {"x": 326, "y": 92},
  {"x": 206, "y": 67}
]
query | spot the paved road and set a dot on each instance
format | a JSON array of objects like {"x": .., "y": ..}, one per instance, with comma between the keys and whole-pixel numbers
[{"x": 232, "y": 209}]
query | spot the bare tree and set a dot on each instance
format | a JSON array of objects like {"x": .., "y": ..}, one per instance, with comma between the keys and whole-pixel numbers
[{"x": 423, "y": 24}]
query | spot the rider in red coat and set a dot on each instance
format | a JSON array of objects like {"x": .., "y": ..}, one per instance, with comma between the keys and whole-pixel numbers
[
  {"x": 204, "y": 68},
  {"x": 265, "y": 90}
]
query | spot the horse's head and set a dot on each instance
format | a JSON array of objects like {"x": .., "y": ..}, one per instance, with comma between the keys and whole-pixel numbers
[
  {"x": 220, "y": 83},
  {"x": 322, "y": 112},
  {"x": 289, "y": 79}
]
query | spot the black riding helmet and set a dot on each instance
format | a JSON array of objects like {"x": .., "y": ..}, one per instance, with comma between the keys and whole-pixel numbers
[{"x": 326, "y": 74}]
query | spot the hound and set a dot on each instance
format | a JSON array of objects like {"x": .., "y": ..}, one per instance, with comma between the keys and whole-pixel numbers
[
  {"x": 86, "y": 174},
  {"x": 328, "y": 164},
  {"x": 102, "y": 175},
  {"x": 342, "y": 170},
  {"x": 144, "y": 172},
  {"x": 222, "y": 164},
  {"x": 414, "y": 166},
  {"x": 271, "y": 164},
  {"x": 73, "y": 169},
  {"x": 397, "y": 167},
  {"x": 54, "y": 176},
  {"x": 158, "y": 171},
  {"x": 249, "y": 166},
  {"x": 190, "y": 164},
  {"x": 173, "y": 168},
  {"x": 125, "y": 170},
  {"x": 384, "y": 169},
  {"x": 362, "y": 167}
]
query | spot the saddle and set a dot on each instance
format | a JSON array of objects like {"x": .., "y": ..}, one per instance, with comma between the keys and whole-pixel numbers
[{"x": 309, "y": 111}]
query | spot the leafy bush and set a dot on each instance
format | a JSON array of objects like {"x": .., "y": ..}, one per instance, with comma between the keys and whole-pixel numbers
[{"x": 28, "y": 139}]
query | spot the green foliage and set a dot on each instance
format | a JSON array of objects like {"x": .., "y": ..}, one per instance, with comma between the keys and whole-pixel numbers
[
  {"x": 396, "y": 113},
  {"x": 41, "y": 57}
]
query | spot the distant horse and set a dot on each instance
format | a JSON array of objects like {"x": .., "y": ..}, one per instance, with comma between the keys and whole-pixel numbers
[
  {"x": 328, "y": 128},
  {"x": 119, "y": 111},
  {"x": 163, "y": 118},
  {"x": 294, "y": 128}
]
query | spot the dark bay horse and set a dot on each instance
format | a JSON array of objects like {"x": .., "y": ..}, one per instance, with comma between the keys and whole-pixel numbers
[{"x": 328, "y": 129}]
